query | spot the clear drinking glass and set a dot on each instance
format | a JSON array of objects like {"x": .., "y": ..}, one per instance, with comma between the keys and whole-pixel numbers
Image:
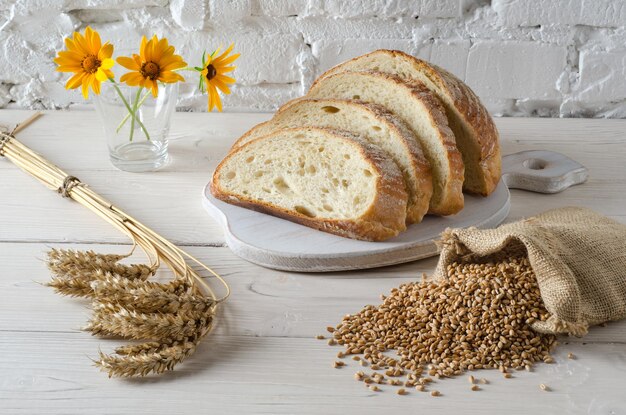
[{"x": 137, "y": 144}]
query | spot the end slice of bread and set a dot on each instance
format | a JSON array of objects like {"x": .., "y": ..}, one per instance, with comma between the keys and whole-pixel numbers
[
  {"x": 422, "y": 112},
  {"x": 371, "y": 122},
  {"x": 332, "y": 181},
  {"x": 476, "y": 134}
]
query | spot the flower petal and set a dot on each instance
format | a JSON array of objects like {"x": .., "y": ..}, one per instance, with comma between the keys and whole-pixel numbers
[
  {"x": 226, "y": 79},
  {"x": 226, "y": 52},
  {"x": 175, "y": 64},
  {"x": 227, "y": 69},
  {"x": 158, "y": 48},
  {"x": 228, "y": 60},
  {"x": 128, "y": 63},
  {"x": 142, "y": 48},
  {"x": 71, "y": 46},
  {"x": 70, "y": 68},
  {"x": 71, "y": 55},
  {"x": 75, "y": 81},
  {"x": 218, "y": 101},
  {"x": 101, "y": 75},
  {"x": 106, "y": 51},
  {"x": 132, "y": 78},
  {"x": 170, "y": 77},
  {"x": 211, "y": 100},
  {"x": 94, "y": 40},
  {"x": 95, "y": 85},
  {"x": 81, "y": 44},
  {"x": 85, "y": 86},
  {"x": 107, "y": 63},
  {"x": 222, "y": 86},
  {"x": 155, "y": 88}
]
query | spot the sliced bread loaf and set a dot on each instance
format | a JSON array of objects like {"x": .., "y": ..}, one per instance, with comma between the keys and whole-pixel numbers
[
  {"x": 476, "y": 134},
  {"x": 422, "y": 112},
  {"x": 332, "y": 181},
  {"x": 371, "y": 122}
]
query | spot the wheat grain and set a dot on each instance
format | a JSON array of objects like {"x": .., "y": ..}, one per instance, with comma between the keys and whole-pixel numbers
[
  {"x": 81, "y": 264},
  {"x": 479, "y": 317},
  {"x": 114, "y": 319},
  {"x": 72, "y": 287},
  {"x": 149, "y": 361}
]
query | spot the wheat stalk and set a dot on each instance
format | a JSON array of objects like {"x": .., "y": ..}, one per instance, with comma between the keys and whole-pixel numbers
[{"x": 171, "y": 318}]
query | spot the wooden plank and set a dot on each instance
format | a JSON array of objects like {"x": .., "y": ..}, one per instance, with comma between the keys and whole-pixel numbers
[
  {"x": 198, "y": 141},
  {"x": 50, "y": 373},
  {"x": 170, "y": 203},
  {"x": 30, "y": 213},
  {"x": 264, "y": 302}
]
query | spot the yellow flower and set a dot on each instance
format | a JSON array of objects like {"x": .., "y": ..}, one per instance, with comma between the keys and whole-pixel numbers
[
  {"x": 156, "y": 62},
  {"x": 88, "y": 59},
  {"x": 213, "y": 75}
]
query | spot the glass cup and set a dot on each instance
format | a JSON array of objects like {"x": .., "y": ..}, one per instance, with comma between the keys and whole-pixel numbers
[{"x": 139, "y": 143}]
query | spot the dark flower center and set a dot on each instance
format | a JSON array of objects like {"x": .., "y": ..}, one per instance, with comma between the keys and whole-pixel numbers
[
  {"x": 150, "y": 70},
  {"x": 211, "y": 72},
  {"x": 90, "y": 64}
]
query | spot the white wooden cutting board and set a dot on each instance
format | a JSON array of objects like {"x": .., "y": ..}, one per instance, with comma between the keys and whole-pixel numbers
[{"x": 277, "y": 243}]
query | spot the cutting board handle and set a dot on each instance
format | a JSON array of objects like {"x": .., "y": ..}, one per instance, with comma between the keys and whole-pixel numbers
[{"x": 542, "y": 171}]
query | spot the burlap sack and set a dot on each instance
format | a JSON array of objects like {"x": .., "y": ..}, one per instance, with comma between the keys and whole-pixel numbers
[{"x": 579, "y": 258}]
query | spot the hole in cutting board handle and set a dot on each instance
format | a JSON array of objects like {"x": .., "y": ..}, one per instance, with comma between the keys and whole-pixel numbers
[{"x": 535, "y": 164}]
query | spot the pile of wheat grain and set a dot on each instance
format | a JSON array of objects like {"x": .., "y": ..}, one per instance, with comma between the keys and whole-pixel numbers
[{"x": 477, "y": 318}]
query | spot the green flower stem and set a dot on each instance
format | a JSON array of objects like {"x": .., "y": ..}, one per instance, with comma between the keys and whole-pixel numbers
[
  {"x": 130, "y": 111},
  {"x": 141, "y": 101},
  {"x": 132, "y": 122}
]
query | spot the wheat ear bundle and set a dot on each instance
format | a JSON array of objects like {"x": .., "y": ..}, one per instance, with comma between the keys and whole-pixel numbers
[{"x": 169, "y": 318}]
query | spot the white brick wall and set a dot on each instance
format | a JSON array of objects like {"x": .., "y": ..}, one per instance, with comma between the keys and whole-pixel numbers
[{"x": 523, "y": 57}]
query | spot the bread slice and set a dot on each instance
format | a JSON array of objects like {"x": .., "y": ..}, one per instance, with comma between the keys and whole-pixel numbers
[
  {"x": 422, "y": 112},
  {"x": 476, "y": 134},
  {"x": 371, "y": 122},
  {"x": 332, "y": 181}
]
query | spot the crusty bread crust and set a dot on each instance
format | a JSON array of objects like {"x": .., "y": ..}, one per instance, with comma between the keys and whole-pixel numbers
[
  {"x": 451, "y": 194},
  {"x": 467, "y": 107},
  {"x": 383, "y": 219},
  {"x": 419, "y": 198}
]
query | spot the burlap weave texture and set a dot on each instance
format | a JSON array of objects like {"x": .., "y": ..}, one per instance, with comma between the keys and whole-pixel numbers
[{"x": 578, "y": 256}]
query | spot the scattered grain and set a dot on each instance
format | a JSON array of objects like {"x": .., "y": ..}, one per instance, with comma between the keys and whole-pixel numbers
[
  {"x": 571, "y": 356},
  {"x": 475, "y": 388},
  {"x": 478, "y": 317},
  {"x": 320, "y": 337},
  {"x": 544, "y": 387},
  {"x": 401, "y": 391},
  {"x": 435, "y": 393}
]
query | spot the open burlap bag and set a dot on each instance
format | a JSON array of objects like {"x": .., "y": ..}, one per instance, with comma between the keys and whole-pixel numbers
[{"x": 579, "y": 258}]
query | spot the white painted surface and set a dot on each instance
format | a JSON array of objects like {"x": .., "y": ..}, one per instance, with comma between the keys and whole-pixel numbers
[
  {"x": 279, "y": 244},
  {"x": 526, "y": 58},
  {"x": 262, "y": 357}
]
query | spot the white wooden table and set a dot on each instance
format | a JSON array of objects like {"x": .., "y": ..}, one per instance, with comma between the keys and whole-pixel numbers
[{"x": 262, "y": 357}]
